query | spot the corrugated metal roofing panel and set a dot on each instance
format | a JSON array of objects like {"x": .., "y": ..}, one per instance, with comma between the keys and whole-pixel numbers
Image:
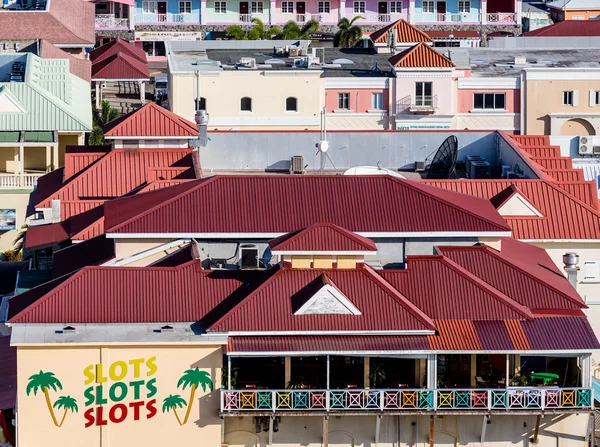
[
  {"x": 563, "y": 333},
  {"x": 322, "y": 237},
  {"x": 568, "y": 28},
  {"x": 327, "y": 344},
  {"x": 493, "y": 336},
  {"x": 455, "y": 335},
  {"x": 117, "y": 46},
  {"x": 120, "y": 66},
  {"x": 264, "y": 204},
  {"x": 517, "y": 336}
]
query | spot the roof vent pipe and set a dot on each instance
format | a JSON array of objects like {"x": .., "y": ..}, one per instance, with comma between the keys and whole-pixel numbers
[{"x": 571, "y": 260}]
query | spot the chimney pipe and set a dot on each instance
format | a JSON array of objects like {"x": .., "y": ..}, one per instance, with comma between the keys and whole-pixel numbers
[{"x": 571, "y": 260}]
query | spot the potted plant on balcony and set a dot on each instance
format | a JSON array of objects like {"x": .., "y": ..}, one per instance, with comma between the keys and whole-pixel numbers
[
  {"x": 376, "y": 374},
  {"x": 520, "y": 380},
  {"x": 225, "y": 376},
  {"x": 295, "y": 383}
]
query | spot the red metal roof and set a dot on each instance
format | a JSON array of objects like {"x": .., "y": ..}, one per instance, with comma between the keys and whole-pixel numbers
[
  {"x": 559, "y": 333},
  {"x": 41, "y": 235},
  {"x": 77, "y": 158},
  {"x": 429, "y": 278},
  {"x": 564, "y": 216},
  {"x": 273, "y": 305},
  {"x": 120, "y": 66},
  {"x": 330, "y": 343},
  {"x": 240, "y": 204},
  {"x": 405, "y": 33},
  {"x": 8, "y": 374},
  {"x": 568, "y": 28},
  {"x": 95, "y": 251},
  {"x": 322, "y": 237},
  {"x": 117, "y": 46},
  {"x": 421, "y": 56},
  {"x": 115, "y": 174},
  {"x": 80, "y": 67},
  {"x": 150, "y": 121},
  {"x": 454, "y": 335}
]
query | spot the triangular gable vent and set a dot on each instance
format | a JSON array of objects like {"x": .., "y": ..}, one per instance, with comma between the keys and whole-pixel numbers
[
  {"x": 328, "y": 300},
  {"x": 9, "y": 104},
  {"x": 517, "y": 205}
]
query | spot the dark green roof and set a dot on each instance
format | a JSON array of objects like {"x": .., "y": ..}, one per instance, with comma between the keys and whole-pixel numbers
[
  {"x": 39, "y": 137},
  {"x": 9, "y": 137}
]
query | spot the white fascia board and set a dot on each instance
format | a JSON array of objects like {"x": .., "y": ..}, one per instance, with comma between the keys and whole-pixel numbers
[
  {"x": 562, "y": 241},
  {"x": 120, "y": 80},
  {"x": 411, "y": 354},
  {"x": 489, "y": 83},
  {"x": 249, "y": 120},
  {"x": 154, "y": 138},
  {"x": 144, "y": 254},
  {"x": 374, "y": 82},
  {"x": 429, "y": 234},
  {"x": 323, "y": 253},
  {"x": 284, "y": 333},
  {"x": 287, "y": 73},
  {"x": 74, "y": 45}
]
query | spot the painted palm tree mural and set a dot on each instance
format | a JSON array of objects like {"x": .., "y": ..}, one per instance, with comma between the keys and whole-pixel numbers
[
  {"x": 44, "y": 381},
  {"x": 68, "y": 403},
  {"x": 194, "y": 378},
  {"x": 171, "y": 403}
]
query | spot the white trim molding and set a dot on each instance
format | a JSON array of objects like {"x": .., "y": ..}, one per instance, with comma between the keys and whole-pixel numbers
[
  {"x": 562, "y": 74},
  {"x": 239, "y": 121},
  {"x": 428, "y": 234},
  {"x": 489, "y": 83},
  {"x": 337, "y": 83}
]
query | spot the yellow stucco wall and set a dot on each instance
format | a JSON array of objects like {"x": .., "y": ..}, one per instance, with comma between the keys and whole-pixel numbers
[
  {"x": 18, "y": 202},
  {"x": 129, "y": 247},
  {"x": 323, "y": 262},
  {"x": 65, "y": 140},
  {"x": 129, "y": 380},
  {"x": 9, "y": 159},
  {"x": 543, "y": 97},
  {"x": 268, "y": 93}
]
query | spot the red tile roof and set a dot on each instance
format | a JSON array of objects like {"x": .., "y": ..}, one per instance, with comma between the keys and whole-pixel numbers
[
  {"x": 8, "y": 374},
  {"x": 567, "y": 28},
  {"x": 115, "y": 174},
  {"x": 239, "y": 204},
  {"x": 78, "y": 66},
  {"x": 273, "y": 305},
  {"x": 67, "y": 22},
  {"x": 405, "y": 33},
  {"x": 117, "y": 46},
  {"x": 322, "y": 237},
  {"x": 421, "y": 56},
  {"x": 564, "y": 216},
  {"x": 150, "y": 121},
  {"x": 120, "y": 66}
]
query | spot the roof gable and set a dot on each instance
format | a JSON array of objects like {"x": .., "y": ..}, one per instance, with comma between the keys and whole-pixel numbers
[
  {"x": 567, "y": 28},
  {"x": 322, "y": 237},
  {"x": 405, "y": 33},
  {"x": 151, "y": 120},
  {"x": 511, "y": 202},
  {"x": 117, "y": 46},
  {"x": 8, "y": 102},
  {"x": 421, "y": 56},
  {"x": 120, "y": 66},
  {"x": 328, "y": 299}
]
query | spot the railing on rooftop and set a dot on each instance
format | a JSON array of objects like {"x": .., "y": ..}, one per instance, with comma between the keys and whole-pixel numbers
[
  {"x": 502, "y": 17},
  {"x": 538, "y": 398}
]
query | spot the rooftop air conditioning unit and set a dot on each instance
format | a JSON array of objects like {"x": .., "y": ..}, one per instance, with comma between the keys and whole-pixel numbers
[
  {"x": 585, "y": 146},
  {"x": 596, "y": 150},
  {"x": 248, "y": 62},
  {"x": 419, "y": 166},
  {"x": 319, "y": 53},
  {"x": 297, "y": 164},
  {"x": 480, "y": 170},
  {"x": 294, "y": 51}
]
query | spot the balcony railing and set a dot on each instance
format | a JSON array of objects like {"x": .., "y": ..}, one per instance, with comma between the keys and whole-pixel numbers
[
  {"x": 502, "y": 17},
  {"x": 13, "y": 181},
  {"x": 167, "y": 18},
  {"x": 245, "y": 18},
  {"x": 446, "y": 17},
  {"x": 235, "y": 401},
  {"x": 378, "y": 18},
  {"x": 414, "y": 103},
  {"x": 109, "y": 21}
]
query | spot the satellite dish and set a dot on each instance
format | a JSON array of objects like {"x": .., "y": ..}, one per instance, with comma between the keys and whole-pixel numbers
[
  {"x": 322, "y": 146},
  {"x": 444, "y": 161}
]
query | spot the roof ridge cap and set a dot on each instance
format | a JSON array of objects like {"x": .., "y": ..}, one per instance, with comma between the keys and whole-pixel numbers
[
  {"x": 554, "y": 185},
  {"x": 412, "y": 308},
  {"x": 492, "y": 291}
]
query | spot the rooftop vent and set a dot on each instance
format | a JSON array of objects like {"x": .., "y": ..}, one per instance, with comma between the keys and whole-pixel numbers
[
  {"x": 275, "y": 62},
  {"x": 520, "y": 60},
  {"x": 247, "y": 62},
  {"x": 164, "y": 330},
  {"x": 343, "y": 61},
  {"x": 65, "y": 330}
]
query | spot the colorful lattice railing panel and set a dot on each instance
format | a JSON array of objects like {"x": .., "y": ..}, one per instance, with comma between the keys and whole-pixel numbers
[{"x": 406, "y": 399}]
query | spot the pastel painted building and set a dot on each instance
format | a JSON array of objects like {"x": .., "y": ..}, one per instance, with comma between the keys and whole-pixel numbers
[{"x": 167, "y": 12}]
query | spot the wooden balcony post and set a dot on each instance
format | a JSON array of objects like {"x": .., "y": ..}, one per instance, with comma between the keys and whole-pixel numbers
[
  {"x": 287, "y": 369},
  {"x": 473, "y": 370},
  {"x": 48, "y": 158},
  {"x": 228, "y": 372},
  {"x": 536, "y": 430},
  {"x": 328, "y": 371},
  {"x": 367, "y": 370},
  {"x": 431, "y": 431},
  {"x": 21, "y": 166}
]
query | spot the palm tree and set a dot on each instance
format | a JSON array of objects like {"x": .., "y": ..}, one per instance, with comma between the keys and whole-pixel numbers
[
  {"x": 171, "y": 403},
  {"x": 257, "y": 32},
  {"x": 194, "y": 378},
  {"x": 68, "y": 403},
  {"x": 100, "y": 118},
  {"x": 292, "y": 31},
  {"x": 44, "y": 381},
  {"x": 348, "y": 34},
  {"x": 236, "y": 32}
]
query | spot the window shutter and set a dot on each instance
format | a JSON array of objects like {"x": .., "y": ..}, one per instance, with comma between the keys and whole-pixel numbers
[
  {"x": 592, "y": 98},
  {"x": 591, "y": 272},
  {"x": 575, "y": 98}
]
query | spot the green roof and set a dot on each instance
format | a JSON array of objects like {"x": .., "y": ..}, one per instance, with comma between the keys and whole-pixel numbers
[
  {"x": 39, "y": 137},
  {"x": 9, "y": 137},
  {"x": 49, "y": 99}
]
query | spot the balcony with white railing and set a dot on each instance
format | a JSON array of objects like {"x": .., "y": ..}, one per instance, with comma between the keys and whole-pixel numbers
[
  {"x": 15, "y": 181},
  {"x": 537, "y": 399},
  {"x": 166, "y": 19},
  {"x": 417, "y": 104},
  {"x": 372, "y": 17},
  {"x": 448, "y": 17},
  {"x": 501, "y": 18},
  {"x": 109, "y": 21}
]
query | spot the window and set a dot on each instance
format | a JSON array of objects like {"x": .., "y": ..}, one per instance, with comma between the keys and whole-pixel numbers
[
  {"x": 220, "y": 7},
  {"x": 428, "y": 6},
  {"x": 489, "y": 101},
  {"x": 149, "y": 7},
  {"x": 246, "y": 105},
  {"x": 248, "y": 256},
  {"x": 423, "y": 95},
  {"x": 359, "y": 7},
  {"x": 376, "y": 101},
  {"x": 287, "y": 7},
  {"x": 591, "y": 271},
  {"x": 464, "y": 6},
  {"x": 594, "y": 98},
  {"x": 343, "y": 101},
  {"x": 569, "y": 98},
  {"x": 185, "y": 7},
  {"x": 256, "y": 7},
  {"x": 324, "y": 7},
  {"x": 396, "y": 7},
  {"x": 291, "y": 105}
]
